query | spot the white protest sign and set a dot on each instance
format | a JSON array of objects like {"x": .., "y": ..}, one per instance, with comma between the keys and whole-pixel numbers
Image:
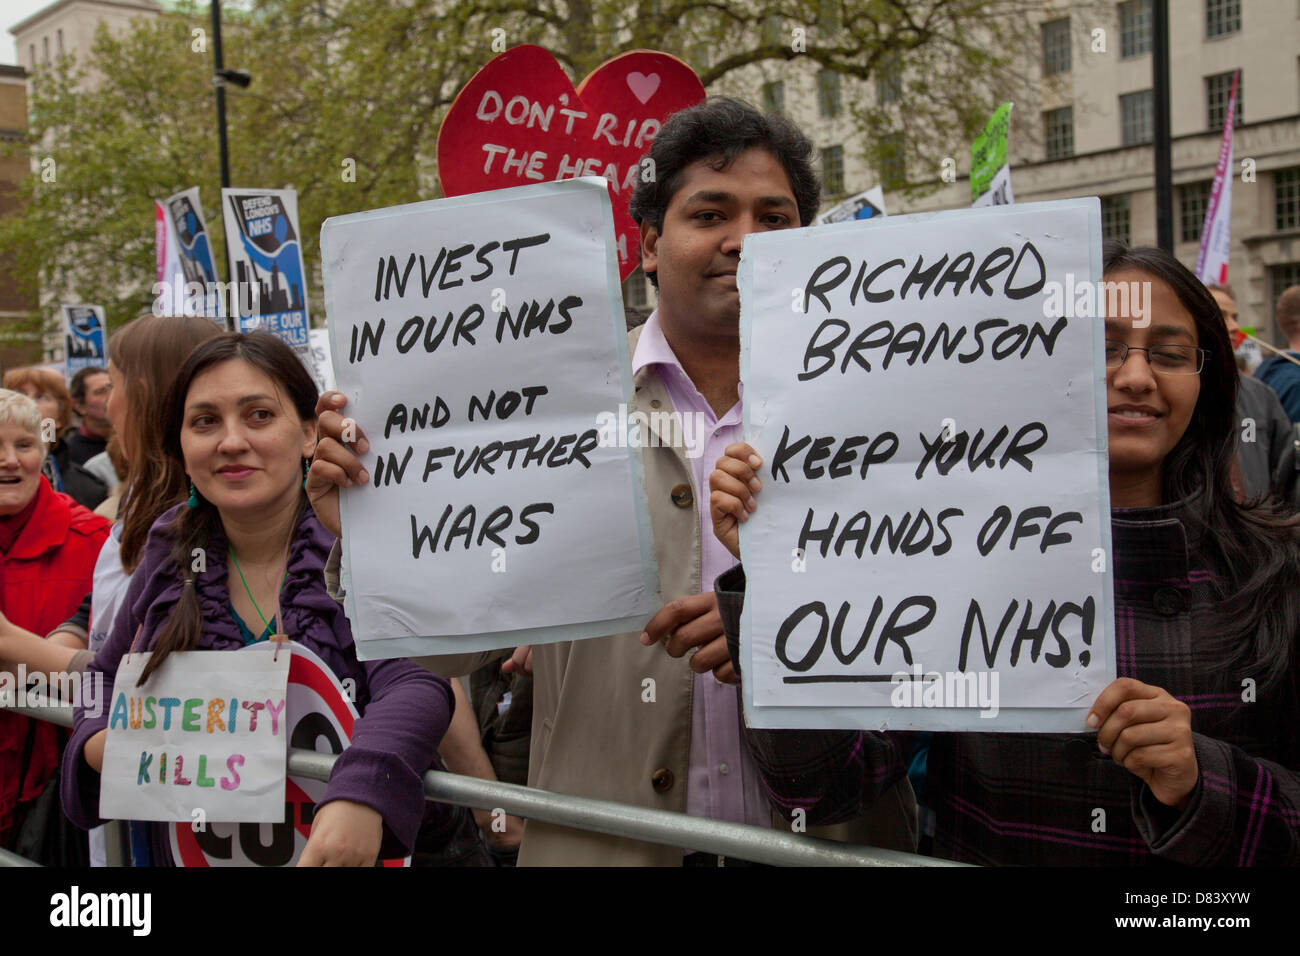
[
  {"x": 205, "y": 733},
  {"x": 480, "y": 342},
  {"x": 319, "y": 715},
  {"x": 931, "y": 547}
]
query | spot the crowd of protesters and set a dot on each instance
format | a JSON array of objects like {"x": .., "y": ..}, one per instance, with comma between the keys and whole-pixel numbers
[{"x": 195, "y": 438}]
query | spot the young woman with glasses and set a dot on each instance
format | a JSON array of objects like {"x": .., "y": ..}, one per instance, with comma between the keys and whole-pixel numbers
[{"x": 1194, "y": 757}]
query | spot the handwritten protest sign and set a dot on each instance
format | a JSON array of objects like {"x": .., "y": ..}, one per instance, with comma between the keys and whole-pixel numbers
[
  {"x": 318, "y": 715},
  {"x": 205, "y": 733},
  {"x": 480, "y": 342},
  {"x": 519, "y": 120},
  {"x": 931, "y": 546}
]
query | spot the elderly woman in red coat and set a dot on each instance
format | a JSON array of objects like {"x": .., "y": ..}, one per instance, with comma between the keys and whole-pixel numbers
[{"x": 48, "y": 547}]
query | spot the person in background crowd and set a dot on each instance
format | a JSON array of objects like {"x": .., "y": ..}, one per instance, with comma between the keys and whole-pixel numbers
[
  {"x": 240, "y": 420},
  {"x": 1263, "y": 429},
  {"x": 109, "y": 466},
  {"x": 723, "y": 170},
  {"x": 1188, "y": 767},
  {"x": 48, "y": 547},
  {"x": 1279, "y": 372},
  {"x": 89, "y": 388},
  {"x": 1247, "y": 354},
  {"x": 46, "y": 388},
  {"x": 464, "y": 751}
]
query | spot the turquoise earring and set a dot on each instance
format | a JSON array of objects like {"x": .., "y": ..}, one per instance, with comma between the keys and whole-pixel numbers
[{"x": 193, "y": 501}]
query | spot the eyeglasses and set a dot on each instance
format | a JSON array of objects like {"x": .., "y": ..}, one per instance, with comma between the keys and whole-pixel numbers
[{"x": 1167, "y": 359}]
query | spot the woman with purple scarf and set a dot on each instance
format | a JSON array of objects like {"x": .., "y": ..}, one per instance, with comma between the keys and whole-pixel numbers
[{"x": 241, "y": 418}]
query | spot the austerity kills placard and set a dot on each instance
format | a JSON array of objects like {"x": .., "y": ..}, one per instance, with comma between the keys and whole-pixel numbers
[
  {"x": 931, "y": 545},
  {"x": 481, "y": 344},
  {"x": 203, "y": 740}
]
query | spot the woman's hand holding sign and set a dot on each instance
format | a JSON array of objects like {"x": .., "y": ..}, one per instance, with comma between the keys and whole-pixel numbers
[
  {"x": 1148, "y": 732},
  {"x": 732, "y": 488},
  {"x": 334, "y": 464}
]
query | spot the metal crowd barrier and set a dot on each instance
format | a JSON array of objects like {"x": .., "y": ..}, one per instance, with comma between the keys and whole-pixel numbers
[{"x": 757, "y": 844}]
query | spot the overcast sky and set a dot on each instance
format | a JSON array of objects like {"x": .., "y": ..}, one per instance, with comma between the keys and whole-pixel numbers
[{"x": 11, "y": 12}]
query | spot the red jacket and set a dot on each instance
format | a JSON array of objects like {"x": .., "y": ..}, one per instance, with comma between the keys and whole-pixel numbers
[{"x": 44, "y": 577}]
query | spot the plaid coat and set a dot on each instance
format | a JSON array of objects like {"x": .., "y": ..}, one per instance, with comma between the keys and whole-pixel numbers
[{"x": 1033, "y": 799}]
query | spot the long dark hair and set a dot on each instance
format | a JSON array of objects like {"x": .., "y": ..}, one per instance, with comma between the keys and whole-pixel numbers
[
  {"x": 195, "y": 528},
  {"x": 147, "y": 352},
  {"x": 1255, "y": 545}
]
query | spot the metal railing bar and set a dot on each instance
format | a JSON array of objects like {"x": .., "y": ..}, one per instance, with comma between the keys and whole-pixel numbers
[{"x": 756, "y": 844}]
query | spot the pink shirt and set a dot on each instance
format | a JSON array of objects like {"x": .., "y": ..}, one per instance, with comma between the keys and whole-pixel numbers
[{"x": 722, "y": 782}]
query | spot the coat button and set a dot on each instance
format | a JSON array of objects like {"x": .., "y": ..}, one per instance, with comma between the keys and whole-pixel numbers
[
  {"x": 1168, "y": 601},
  {"x": 662, "y": 780},
  {"x": 1078, "y": 752},
  {"x": 682, "y": 497},
  {"x": 655, "y": 403}
]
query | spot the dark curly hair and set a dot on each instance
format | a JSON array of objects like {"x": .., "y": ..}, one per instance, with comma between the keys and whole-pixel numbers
[{"x": 720, "y": 129}]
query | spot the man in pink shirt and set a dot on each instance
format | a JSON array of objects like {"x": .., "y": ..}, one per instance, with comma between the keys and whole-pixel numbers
[{"x": 613, "y": 719}]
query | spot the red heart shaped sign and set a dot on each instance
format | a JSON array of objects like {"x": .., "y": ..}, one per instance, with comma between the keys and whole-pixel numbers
[{"x": 519, "y": 121}]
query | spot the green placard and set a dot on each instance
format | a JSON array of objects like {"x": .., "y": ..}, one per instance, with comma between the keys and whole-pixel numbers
[{"x": 988, "y": 152}]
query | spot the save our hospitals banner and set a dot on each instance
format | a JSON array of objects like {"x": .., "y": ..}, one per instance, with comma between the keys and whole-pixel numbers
[
  {"x": 869, "y": 204},
  {"x": 1212, "y": 257},
  {"x": 931, "y": 547},
  {"x": 265, "y": 253},
  {"x": 186, "y": 270},
  {"x": 83, "y": 338},
  {"x": 990, "y": 168}
]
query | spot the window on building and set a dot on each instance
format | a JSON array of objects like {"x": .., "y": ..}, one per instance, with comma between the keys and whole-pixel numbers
[
  {"x": 828, "y": 16},
  {"x": 893, "y": 168},
  {"x": 1222, "y": 17},
  {"x": 59, "y": 33},
  {"x": 771, "y": 31},
  {"x": 833, "y": 170},
  {"x": 828, "y": 93},
  {"x": 1134, "y": 28},
  {"x": 1286, "y": 198},
  {"x": 774, "y": 96},
  {"x": 1218, "y": 90},
  {"x": 31, "y": 50},
  {"x": 1280, "y": 278},
  {"x": 1193, "y": 200},
  {"x": 1115, "y": 218},
  {"x": 889, "y": 81},
  {"x": 1136, "y": 120},
  {"x": 634, "y": 292},
  {"x": 45, "y": 49},
  {"x": 1056, "y": 47},
  {"x": 1058, "y": 132}
]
